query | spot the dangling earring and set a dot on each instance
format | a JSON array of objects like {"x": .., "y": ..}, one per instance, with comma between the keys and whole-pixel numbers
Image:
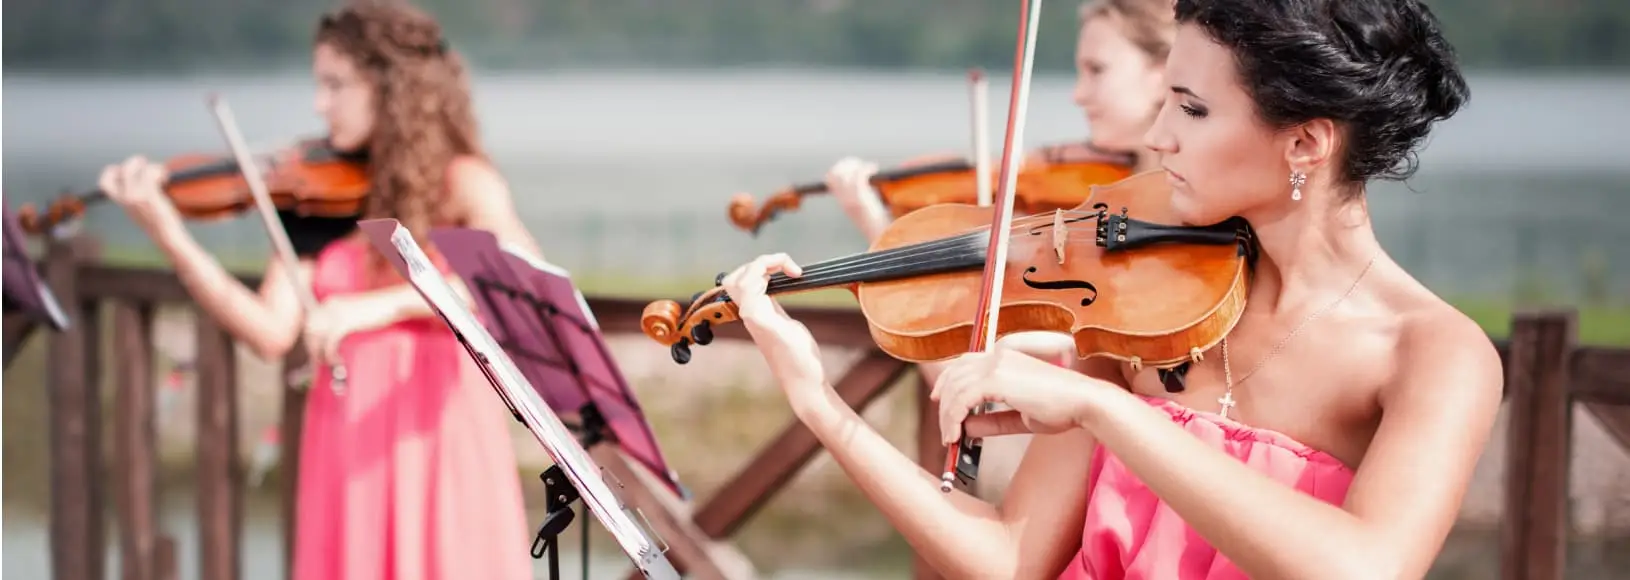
[{"x": 1297, "y": 178}]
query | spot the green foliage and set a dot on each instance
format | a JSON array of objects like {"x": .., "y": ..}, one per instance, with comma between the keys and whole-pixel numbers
[{"x": 148, "y": 34}]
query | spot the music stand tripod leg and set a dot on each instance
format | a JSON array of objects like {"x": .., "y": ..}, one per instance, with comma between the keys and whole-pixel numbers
[{"x": 559, "y": 495}]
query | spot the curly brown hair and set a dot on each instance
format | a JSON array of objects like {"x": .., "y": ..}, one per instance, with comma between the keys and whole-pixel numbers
[{"x": 423, "y": 116}]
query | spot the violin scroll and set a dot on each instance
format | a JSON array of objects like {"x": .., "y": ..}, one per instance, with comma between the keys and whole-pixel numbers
[
  {"x": 746, "y": 217},
  {"x": 676, "y": 327},
  {"x": 65, "y": 208}
]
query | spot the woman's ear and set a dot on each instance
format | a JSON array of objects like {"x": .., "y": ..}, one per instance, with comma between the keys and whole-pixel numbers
[{"x": 1311, "y": 145}]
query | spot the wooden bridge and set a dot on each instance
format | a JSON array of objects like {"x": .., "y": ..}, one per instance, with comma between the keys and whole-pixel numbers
[{"x": 1546, "y": 374}]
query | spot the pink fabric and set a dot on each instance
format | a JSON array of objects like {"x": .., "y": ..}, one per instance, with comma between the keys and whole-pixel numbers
[
  {"x": 410, "y": 473},
  {"x": 1131, "y": 534}
]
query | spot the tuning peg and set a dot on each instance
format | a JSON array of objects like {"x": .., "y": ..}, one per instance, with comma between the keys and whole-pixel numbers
[
  {"x": 702, "y": 334},
  {"x": 680, "y": 351}
]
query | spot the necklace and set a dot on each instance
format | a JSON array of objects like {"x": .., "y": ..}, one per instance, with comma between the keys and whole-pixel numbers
[{"x": 1227, "y": 400}]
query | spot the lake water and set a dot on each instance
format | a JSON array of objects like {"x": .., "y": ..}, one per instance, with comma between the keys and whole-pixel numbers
[{"x": 629, "y": 173}]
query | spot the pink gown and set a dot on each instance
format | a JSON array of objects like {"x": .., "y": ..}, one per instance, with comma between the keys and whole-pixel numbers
[
  {"x": 1131, "y": 534},
  {"x": 410, "y": 473}
]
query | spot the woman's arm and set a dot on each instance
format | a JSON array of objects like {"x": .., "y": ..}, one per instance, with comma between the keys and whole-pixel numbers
[
  {"x": 849, "y": 181},
  {"x": 268, "y": 322},
  {"x": 1032, "y": 534},
  {"x": 1401, "y": 505}
]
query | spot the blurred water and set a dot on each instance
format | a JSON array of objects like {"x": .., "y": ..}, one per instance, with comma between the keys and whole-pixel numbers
[{"x": 631, "y": 171}]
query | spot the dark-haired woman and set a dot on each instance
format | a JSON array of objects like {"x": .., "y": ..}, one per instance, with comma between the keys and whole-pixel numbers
[{"x": 1330, "y": 435}]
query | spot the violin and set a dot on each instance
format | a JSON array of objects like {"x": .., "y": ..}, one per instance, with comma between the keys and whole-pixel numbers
[
  {"x": 1056, "y": 179},
  {"x": 1128, "y": 284},
  {"x": 308, "y": 178}
]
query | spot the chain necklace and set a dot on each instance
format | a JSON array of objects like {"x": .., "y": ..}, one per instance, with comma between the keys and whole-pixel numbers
[{"x": 1227, "y": 400}]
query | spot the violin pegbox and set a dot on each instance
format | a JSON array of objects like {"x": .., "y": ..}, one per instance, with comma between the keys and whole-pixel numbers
[{"x": 666, "y": 322}]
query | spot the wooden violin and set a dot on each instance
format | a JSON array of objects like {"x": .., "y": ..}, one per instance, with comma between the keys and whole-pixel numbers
[
  {"x": 308, "y": 178},
  {"x": 1113, "y": 272},
  {"x": 1057, "y": 178}
]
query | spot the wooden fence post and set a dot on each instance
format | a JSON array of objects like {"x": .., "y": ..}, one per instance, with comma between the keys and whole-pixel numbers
[
  {"x": 77, "y": 531},
  {"x": 1534, "y": 536},
  {"x": 135, "y": 456},
  {"x": 293, "y": 420},
  {"x": 220, "y": 475}
]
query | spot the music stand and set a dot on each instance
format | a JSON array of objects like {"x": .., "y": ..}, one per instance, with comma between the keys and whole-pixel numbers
[
  {"x": 542, "y": 321},
  {"x": 23, "y": 289},
  {"x": 574, "y": 475}
]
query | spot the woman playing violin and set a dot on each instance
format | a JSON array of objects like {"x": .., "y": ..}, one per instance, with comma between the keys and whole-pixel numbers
[
  {"x": 1120, "y": 60},
  {"x": 1331, "y": 434},
  {"x": 410, "y": 471}
]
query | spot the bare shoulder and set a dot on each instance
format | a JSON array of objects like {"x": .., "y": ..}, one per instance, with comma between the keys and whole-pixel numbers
[
  {"x": 484, "y": 202},
  {"x": 1439, "y": 348},
  {"x": 472, "y": 179}
]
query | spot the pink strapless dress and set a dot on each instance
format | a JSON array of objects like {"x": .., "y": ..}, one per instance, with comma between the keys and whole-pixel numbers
[
  {"x": 1131, "y": 534},
  {"x": 410, "y": 474}
]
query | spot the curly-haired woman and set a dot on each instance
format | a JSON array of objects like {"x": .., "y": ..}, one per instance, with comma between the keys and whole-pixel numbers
[{"x": 409, "y": 473}]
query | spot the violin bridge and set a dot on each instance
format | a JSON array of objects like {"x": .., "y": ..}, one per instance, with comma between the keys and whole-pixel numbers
[{"x": 1061, "y": 234}]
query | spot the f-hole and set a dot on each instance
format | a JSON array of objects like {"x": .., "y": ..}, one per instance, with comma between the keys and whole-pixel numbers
[{"x": 1062, "y": 285}]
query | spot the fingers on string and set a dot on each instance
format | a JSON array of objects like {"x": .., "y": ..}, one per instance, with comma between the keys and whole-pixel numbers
[{"x": 781, "y": 262}]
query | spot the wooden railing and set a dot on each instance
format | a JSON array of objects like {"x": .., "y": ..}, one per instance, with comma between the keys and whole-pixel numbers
[{"x": 1546, "y": 374}]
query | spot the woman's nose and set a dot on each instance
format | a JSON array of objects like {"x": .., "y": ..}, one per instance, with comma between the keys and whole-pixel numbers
[{"x": 1159, "y": 137}]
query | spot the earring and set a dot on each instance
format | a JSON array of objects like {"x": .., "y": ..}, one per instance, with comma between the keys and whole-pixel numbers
[{"x": 1297, "y": 178}]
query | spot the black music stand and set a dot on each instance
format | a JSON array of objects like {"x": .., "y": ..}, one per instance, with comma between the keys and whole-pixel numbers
[
  {"x": 24, "y": 291},
  {"x": 575, "y": 475},
  {"x": 542, "y": 321}
]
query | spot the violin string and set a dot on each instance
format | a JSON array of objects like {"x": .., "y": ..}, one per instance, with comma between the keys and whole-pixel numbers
[
  {"x": 883, "y": 261},
  {"x": 935, "y": 256},
  {"x": 961, "y": 252},
  {"x": 969, "y": 258}
]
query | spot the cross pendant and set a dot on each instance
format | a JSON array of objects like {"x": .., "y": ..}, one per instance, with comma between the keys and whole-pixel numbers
[{"x": 1227, "y": 401}]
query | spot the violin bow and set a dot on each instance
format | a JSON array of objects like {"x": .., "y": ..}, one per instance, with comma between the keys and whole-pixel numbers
[
  {"x": 963, "y": 457},
  {"x": 268, "y": 217},
  {"x": 978, "y": 100}
]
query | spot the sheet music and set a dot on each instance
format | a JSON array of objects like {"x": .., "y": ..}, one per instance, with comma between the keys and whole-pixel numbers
[
  {"x": 582, "y": 302},
  {"x": 518, "y": 393}
]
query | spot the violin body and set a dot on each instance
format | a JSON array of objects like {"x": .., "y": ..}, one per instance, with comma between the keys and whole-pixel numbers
[
  {"x": 308, "y": 179},
  {"x": 316, "y": 183},
  {"x": 1057, "y": 179},
  {"x": 1153, "y": 306},
  {"x": 1124, "y": 288}
]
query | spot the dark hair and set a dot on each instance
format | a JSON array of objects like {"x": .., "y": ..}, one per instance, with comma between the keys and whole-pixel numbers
[{"x": 1379, "y": 68}]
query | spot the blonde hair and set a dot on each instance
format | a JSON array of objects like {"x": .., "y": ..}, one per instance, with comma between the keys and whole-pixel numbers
[{"x": 1149, "y": 24}]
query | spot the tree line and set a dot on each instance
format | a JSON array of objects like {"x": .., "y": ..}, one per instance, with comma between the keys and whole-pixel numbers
[{"x": 523, "y": 34}]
